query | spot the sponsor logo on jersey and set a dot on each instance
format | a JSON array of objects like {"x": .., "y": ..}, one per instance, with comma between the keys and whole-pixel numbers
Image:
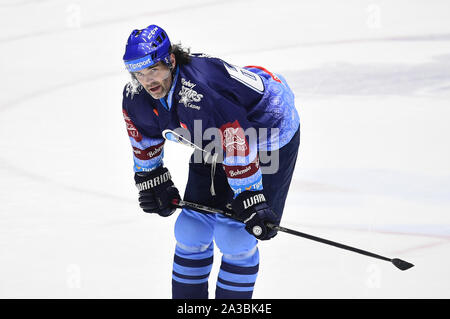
[
  {"x": 149, "y": 153},
  {"x": 131, "y": 129},
  {"x": 241, "y": 171},
  {"x": 188, "y": 95},
  {"x": 255, "y": 187},
  {"x": 143, "y": 169},
  {"x": 233, "y": 139}
]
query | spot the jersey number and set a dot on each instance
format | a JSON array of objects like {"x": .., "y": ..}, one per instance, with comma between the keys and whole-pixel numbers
[{"x": 246, "y": 77}]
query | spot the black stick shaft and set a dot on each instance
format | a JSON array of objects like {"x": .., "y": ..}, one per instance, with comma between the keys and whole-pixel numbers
[
  {"x": 287, "y": 230},
  {"x": 328, "y": 242},
  {"x": 401, "y": 264}
]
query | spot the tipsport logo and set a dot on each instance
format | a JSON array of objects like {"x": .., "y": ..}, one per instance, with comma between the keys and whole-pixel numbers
[
  {"x": 252, "y": 187},
  {"x": 139, "y": 65}
]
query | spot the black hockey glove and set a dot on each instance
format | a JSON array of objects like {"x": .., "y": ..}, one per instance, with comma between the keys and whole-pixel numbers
[
  {"x": 156, "y": 191},
  {"x": 252, "y": 209}
]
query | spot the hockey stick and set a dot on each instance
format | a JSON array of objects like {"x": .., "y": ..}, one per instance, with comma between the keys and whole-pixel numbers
[
  {"x": 177, "y": 138},
  {"x": 400, "y": 264},
  {"x": 170, "y": 135},
  {"x": 173, "y": 136}
]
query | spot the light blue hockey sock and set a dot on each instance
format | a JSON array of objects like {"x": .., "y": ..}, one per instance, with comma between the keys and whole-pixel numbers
[
  {"x": 237, "y": 276},
  {"x": 190, "y": 274}
]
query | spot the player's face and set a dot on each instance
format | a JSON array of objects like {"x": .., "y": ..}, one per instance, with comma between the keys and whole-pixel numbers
[{"x": 156, "y": 80}]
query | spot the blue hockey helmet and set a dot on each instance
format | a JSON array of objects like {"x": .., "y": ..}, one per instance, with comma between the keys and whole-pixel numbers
[{"x": 146, "y": 47}]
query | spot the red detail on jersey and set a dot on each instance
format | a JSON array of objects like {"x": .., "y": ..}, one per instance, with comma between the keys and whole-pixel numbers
[
  {"x": 265, "y": 70},
  {"x": 242, "y": 171},
  {"x": 156, "y": 112},
  {"x": 149, "y": 153},
  {"x": 183, "y": 125},
  {"x": 233, "y": 139},
  {"x": 131, "y": 129}
]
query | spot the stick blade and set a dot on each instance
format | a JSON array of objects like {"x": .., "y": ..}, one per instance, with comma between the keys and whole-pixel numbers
[{"x": 401, "y": 264}]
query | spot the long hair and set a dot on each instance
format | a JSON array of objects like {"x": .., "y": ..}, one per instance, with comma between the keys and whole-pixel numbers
[{"x": 182, "y": 57}]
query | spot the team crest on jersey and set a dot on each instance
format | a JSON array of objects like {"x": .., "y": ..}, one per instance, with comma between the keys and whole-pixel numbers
[
  {"x": 132, "y": 88},
  {"x": 233, "y": 139},
  {"x": 188, "y": 95}
]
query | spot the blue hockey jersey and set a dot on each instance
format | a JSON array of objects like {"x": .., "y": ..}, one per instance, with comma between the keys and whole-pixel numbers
[{"x": 245, "y": 110}]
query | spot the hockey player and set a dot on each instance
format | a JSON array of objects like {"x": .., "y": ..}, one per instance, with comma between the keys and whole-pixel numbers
[{"x": 172, "y": 90}]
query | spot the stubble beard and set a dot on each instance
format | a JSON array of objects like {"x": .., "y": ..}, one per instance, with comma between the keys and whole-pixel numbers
[{"x": 162, "y": 88}]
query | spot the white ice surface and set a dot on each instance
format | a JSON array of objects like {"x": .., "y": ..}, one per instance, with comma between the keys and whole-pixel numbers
[{"x": 372, "y": 85}]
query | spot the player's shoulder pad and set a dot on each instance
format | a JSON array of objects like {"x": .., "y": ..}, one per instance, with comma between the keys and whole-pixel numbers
[
  {"x": 210, "y": 65},
  {"x": 220, "y": 72}
]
